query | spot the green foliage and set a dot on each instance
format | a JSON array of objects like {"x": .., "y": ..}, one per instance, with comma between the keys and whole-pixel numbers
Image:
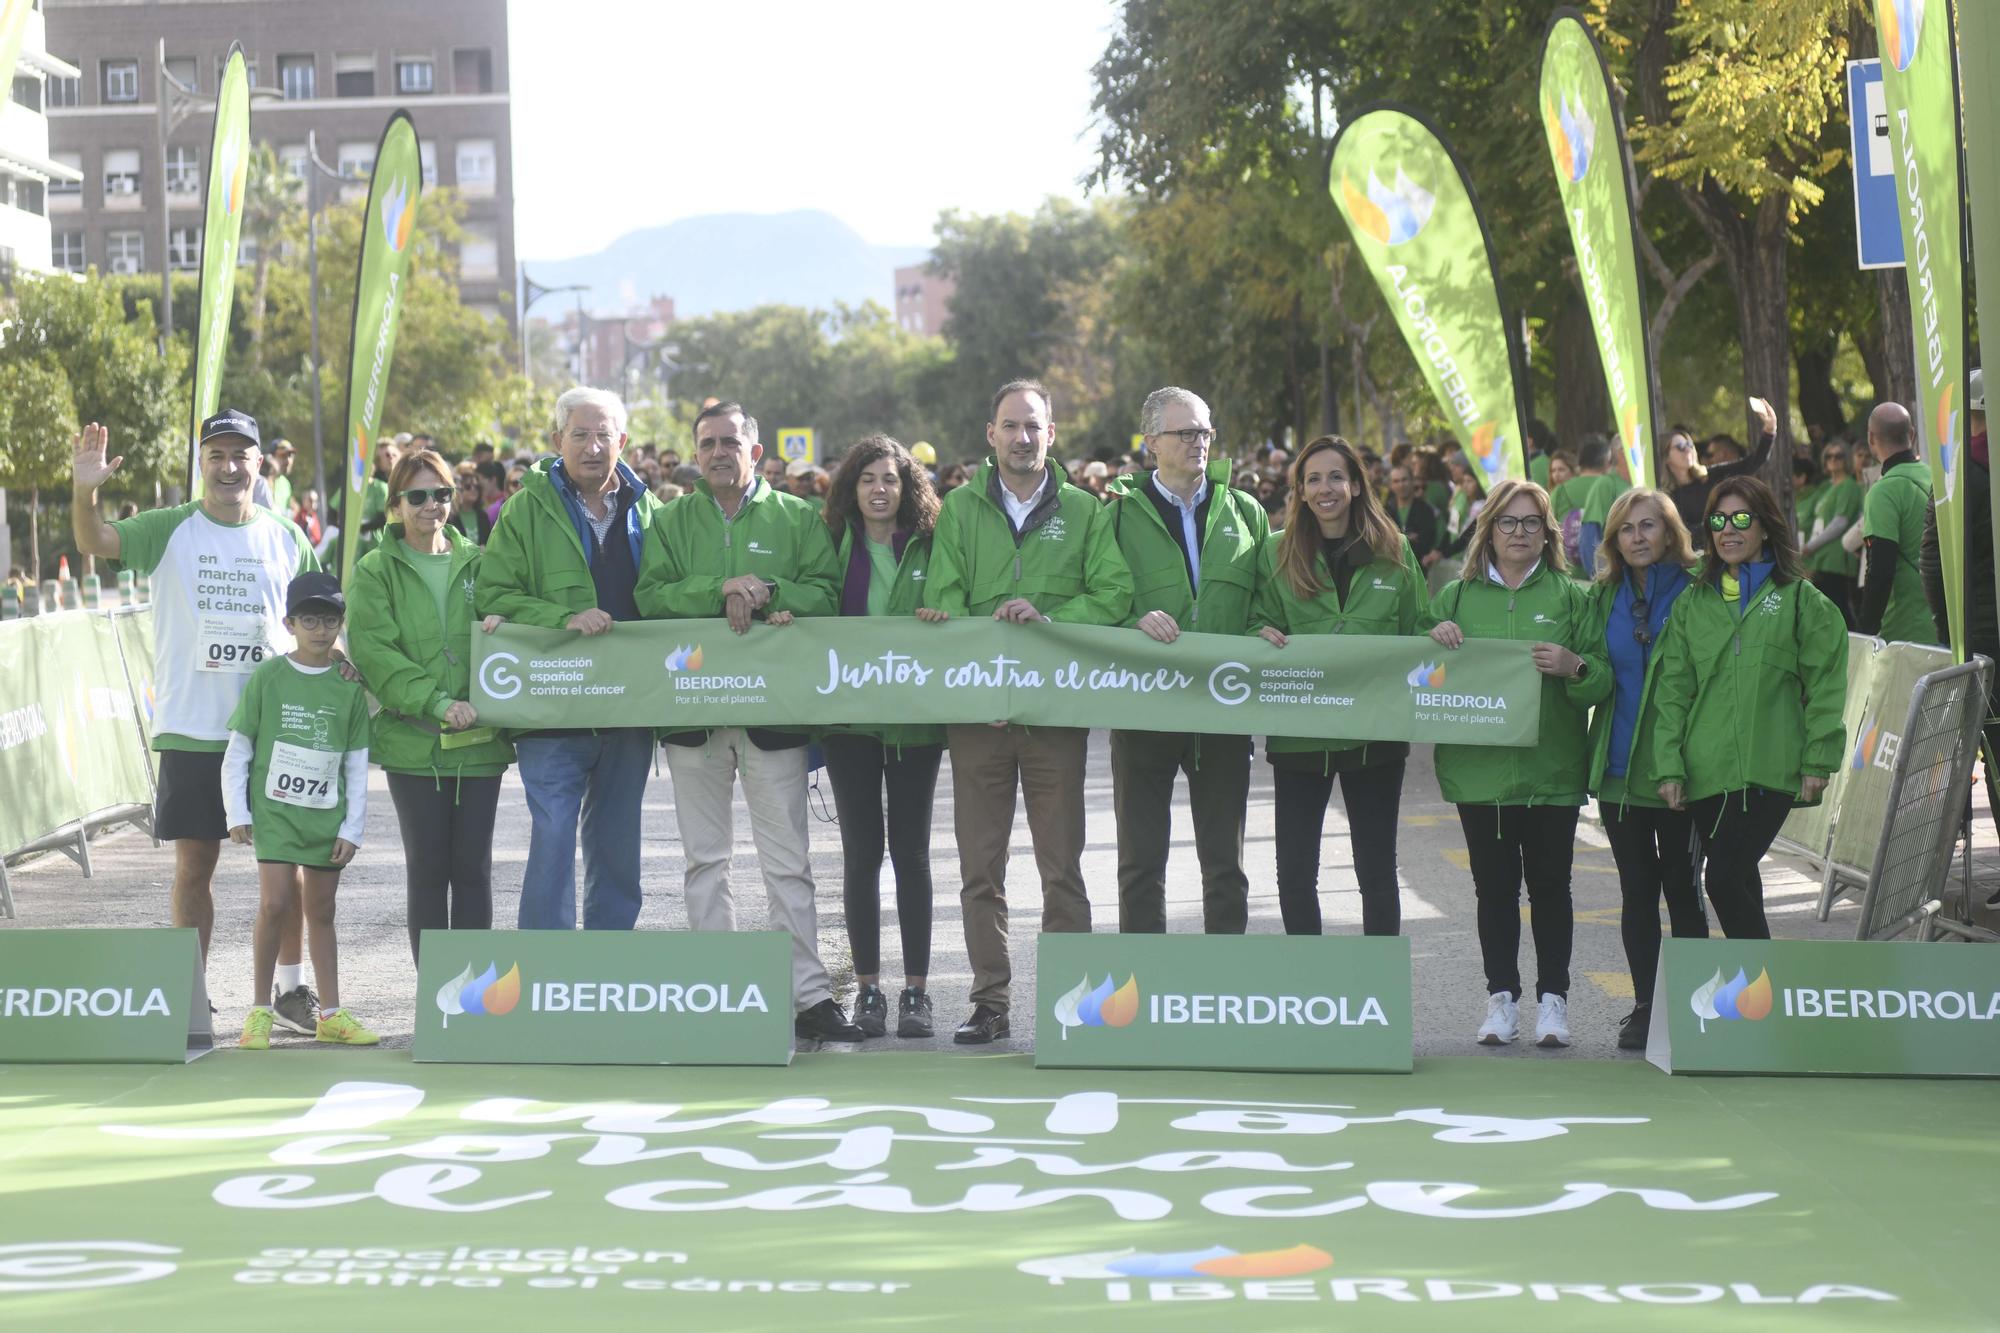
[{"x": 37, "y": 419}]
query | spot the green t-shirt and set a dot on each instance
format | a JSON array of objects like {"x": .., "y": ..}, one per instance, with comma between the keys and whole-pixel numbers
[
  {"x": 435, "y": 570},
  {"x": 1894, "y": 509},
  {"x": 1841, "y": 499},
  {"x": 1597, "y": 500},
  {"x": 1572, "y": 494},
  {"x": 1538, "y": 470},
  {"x": 881, "y": 576},
  {"x": 303, "y": 724}
]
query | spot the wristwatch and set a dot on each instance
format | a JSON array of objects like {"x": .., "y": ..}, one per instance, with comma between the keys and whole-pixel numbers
[{"x": 1582, "y": 669}]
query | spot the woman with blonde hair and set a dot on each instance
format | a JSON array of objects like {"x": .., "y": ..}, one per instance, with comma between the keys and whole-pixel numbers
[
  {"x": 1518, "y": 804},
  {"x": 1339, "y": 566},
  {"x": 1643, "y": 567}
]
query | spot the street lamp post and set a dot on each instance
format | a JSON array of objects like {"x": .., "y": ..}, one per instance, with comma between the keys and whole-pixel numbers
[
  {"x": 531, "y": 292},
  {"x": 314, "y": 170}
]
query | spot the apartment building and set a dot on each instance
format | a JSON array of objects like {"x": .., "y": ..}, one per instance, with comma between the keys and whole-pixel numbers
[{"x": 28, "y": 175}]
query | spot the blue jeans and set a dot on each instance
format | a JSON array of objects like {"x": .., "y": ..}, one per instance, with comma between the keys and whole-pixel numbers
[{"x": 601, "y": 776}]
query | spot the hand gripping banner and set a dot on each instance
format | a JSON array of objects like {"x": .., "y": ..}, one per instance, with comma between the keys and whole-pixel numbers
[{"x": 222, "y": 225}]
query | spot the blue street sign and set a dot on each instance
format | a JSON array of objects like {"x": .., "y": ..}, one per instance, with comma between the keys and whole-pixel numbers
[{"x": 1878, "y": 229}]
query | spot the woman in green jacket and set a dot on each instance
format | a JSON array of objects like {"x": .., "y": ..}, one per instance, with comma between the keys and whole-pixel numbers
[
  {"x": 882, "y": 510},
  {"x": 1518, "y": 805},
  {"x": 1836, "y": 508},
  {"x": 409, "y": 631},
  {"x": 1642, "y": 571},
  {"x": 1340, "y": 566},
  {"x": 1752, "y": 682}
]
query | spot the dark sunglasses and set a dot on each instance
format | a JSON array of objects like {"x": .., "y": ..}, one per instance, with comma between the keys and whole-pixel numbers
[
  {"x": 1641, "y": 630},
  {"x": 1740, "y": 520},
  {"x": 421, "y": 497}
]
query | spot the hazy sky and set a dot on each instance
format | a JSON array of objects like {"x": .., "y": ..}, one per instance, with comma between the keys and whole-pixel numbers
[{"x": 629, "y": 113}]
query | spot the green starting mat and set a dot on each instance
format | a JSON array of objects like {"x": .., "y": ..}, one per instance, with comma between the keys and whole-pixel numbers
[{"x": 349, "y": 1190}]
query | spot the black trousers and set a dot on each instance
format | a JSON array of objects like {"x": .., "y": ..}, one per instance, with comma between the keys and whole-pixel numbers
[
  {"x": 447, "y": 828},
  {"x": 1654, "y": 849},
  {"x": 1373, "y": 797},
  {"x": 1839, "y": 590},
  {"x": 1143, "y": 765},
  {"x": 861, "y": 768},
  {"x": 1507, "y": 846},
  {"x": 1737, "y": 828}
]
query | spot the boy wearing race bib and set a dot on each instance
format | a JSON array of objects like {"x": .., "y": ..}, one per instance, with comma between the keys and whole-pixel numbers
[{"x": 295, "y": 783}]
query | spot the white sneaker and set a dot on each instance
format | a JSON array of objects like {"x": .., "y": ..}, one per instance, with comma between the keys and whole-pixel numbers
[
  {"x": 1552, "y": 1022},
  {"x": 1503, "y": 1020}
]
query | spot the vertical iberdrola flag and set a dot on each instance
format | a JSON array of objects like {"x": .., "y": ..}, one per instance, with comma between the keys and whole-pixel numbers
[
  {"x": 222, "y": 224},
  {"x": 1587, "y": 140},
  {"x": 386, "y": 229},
  {"x": 1920, "y": 90},
  {"x": 1419, "y": 229}
]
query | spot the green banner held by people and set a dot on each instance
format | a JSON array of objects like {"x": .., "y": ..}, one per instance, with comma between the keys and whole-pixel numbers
[
  {"x": 1979, "y": 59},
  {"x": 222, "y": 224},
  {"x": 1920, "y": 89},
  {"x": 1586, "y": 139},
  {"x": 835, "y": 671},
  {"x": 384, "y": 268},
  {"x": 1418, "y": 226}
]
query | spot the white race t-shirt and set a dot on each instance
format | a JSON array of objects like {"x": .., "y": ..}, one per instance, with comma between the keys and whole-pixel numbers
[{"x": 218, "y": 610}]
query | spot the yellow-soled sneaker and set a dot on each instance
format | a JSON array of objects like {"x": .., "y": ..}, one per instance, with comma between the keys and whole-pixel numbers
[
  {"x": 256, "y": 1031},
  {"x": 344, "y": 1029}
]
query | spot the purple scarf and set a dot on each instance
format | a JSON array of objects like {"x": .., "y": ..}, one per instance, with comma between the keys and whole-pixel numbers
[{"x": 854, "y": 590}]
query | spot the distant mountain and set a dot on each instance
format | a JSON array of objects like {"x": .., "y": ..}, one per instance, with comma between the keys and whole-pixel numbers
[{"x": 732, "y": 261}]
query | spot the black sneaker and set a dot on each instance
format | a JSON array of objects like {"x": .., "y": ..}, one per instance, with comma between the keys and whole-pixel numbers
[
  {"x": 297, "y": 1010},
  {"x": 871, "y": 1011},
  {"x": 986, "y": 1024},
  {"x": 913, "y": 1014},
  {"x": 1633, "y": 1029},
  {"x": 825, "y": 1021}
]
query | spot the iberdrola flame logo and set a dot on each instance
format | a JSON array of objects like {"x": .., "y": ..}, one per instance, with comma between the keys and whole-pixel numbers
[
  {"x": 1489, "y": 446},
  {"x": 1732, "y": 1000},
  {"x": 1947, "y": 438},
  {"x": 1573, "y": 136},
  {"x": 1391, "y": 214},
  {"x": 483, "y": 994},
  {"x": 1901, "y": 23},
  {"x": 1864, "y": 747},
  {"x": 1426, "y": 675},
  {"x": 1081, "y": 1006},
  {"x": 397, "y": 215},
  {"x": 1215, "y": 1261},
  {"x": 360, "y": 455},
  {"x": 685, "y": 658},
  {"x": 235, "y": 166}
]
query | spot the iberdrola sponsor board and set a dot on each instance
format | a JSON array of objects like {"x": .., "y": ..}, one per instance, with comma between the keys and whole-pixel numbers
[
  {"x": 1920, "y": 89},
  {"x": 96, "y": 996},
  {"x": 1586, "y": 140},
  {"x": 1418, "y": 227},
  {"x": 222, "y": 225},
  {"x": 384, "y": 268}
]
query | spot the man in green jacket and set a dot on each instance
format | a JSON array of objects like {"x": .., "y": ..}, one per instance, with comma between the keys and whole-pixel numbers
[
  {"x": 735, "y": 547},
  {"x": 1892, "y": 601},
  {"x": 1022, "y": 545},
  {"x": 565, "y": 555},
  {"x": 1193, "y": 546}
]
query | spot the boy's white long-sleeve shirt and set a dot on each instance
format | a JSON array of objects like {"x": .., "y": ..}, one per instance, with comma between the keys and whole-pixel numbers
[{"x": 242, "y": 751}]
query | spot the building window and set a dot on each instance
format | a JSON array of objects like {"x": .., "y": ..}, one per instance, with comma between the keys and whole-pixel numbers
[
  {"x": 475, "y": 167},
  {"x": 354, "y": 75},
  {"x": 66, "y": 251},
  {"x": 415, "y": 74},
  {"x": 183, "y": 170},
  {"x": 296, "y": 78},
  {"x": 127, "y": 251},
  {"x": 22, "y": 193},
  {"x": 121, "y": 80},
  {"x": 472, "y": 71},
  {"x": 121, "y": 173},
  {"x": 293, "y": 158},
  {"x": 184, "y": 249},
  {"x": 479, "y": 252},
  {"x": 65, "y": 92},
  {"x": 186, "y": 71},
  {"x": 28, "y": 92},
  {"x": 357, "y": 160},
  {"x": 427, "y": 153},
  {"x": 74, "y": 161}
]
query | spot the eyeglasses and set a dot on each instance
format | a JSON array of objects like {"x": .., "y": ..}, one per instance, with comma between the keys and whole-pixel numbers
[
  {"x": 1740, "y": 520},
  {"x": 421, "y": 497},
  {"x": 1683, "y": 445},
  {"x": 1642, "y": 630},
  {"x": 1192, "y": 436},
  {"x": 1510, "y": 524},
  {"x": 318, "y": 623}
]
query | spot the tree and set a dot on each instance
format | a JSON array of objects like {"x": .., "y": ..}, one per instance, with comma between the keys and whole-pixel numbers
[{"x": 37, "y": 419}]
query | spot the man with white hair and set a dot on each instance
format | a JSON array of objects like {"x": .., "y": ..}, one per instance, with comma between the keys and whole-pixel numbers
[{"x": 565, "y": 555}]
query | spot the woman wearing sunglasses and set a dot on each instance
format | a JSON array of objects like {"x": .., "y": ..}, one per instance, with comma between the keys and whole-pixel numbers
[
  {"x": 1642, "y": 570},
  {"x": 1688, "y": 482},
  {"x": 409, "y": 628},
  {"x": 1518, "y": 805},
  {"x": 1752, "y": 681}
]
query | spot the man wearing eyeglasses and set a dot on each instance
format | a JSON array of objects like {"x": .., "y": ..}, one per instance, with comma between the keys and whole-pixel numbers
[
  {"x": 1192, "y": 544},
  {"x": 564, "y": 554}
]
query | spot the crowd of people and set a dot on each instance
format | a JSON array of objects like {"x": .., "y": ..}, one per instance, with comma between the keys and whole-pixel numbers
[{"x": 1691, "y": 641}]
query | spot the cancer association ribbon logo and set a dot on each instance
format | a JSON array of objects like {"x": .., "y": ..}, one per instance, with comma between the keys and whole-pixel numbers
[
  {"x": 1102, "y": 1007},
  {"x": 1732, "y": 1000},
  {"x": 483, "y": 994}
]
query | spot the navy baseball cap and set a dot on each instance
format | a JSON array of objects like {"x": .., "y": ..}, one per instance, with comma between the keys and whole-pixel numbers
[
  {"x": 315, "y": 587},
  {"x": 229, "y": 421}
]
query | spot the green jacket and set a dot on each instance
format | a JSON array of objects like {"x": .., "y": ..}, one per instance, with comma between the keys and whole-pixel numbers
[
  {"x": 535, "y": 570},
  {"x": 1231, "y": 547},
  {"x": 905, "y": 596},
  {"x": 1383, "y": 597},
  {"x": 1065, "y": 560},
  {"x": 1641, "y": 783},
  {"x": 1547, "y": 608},
  {"x": 1751, "y": 700},
  {"x": 691, "y": 551},
  {"x": 414, "y": 666}
]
